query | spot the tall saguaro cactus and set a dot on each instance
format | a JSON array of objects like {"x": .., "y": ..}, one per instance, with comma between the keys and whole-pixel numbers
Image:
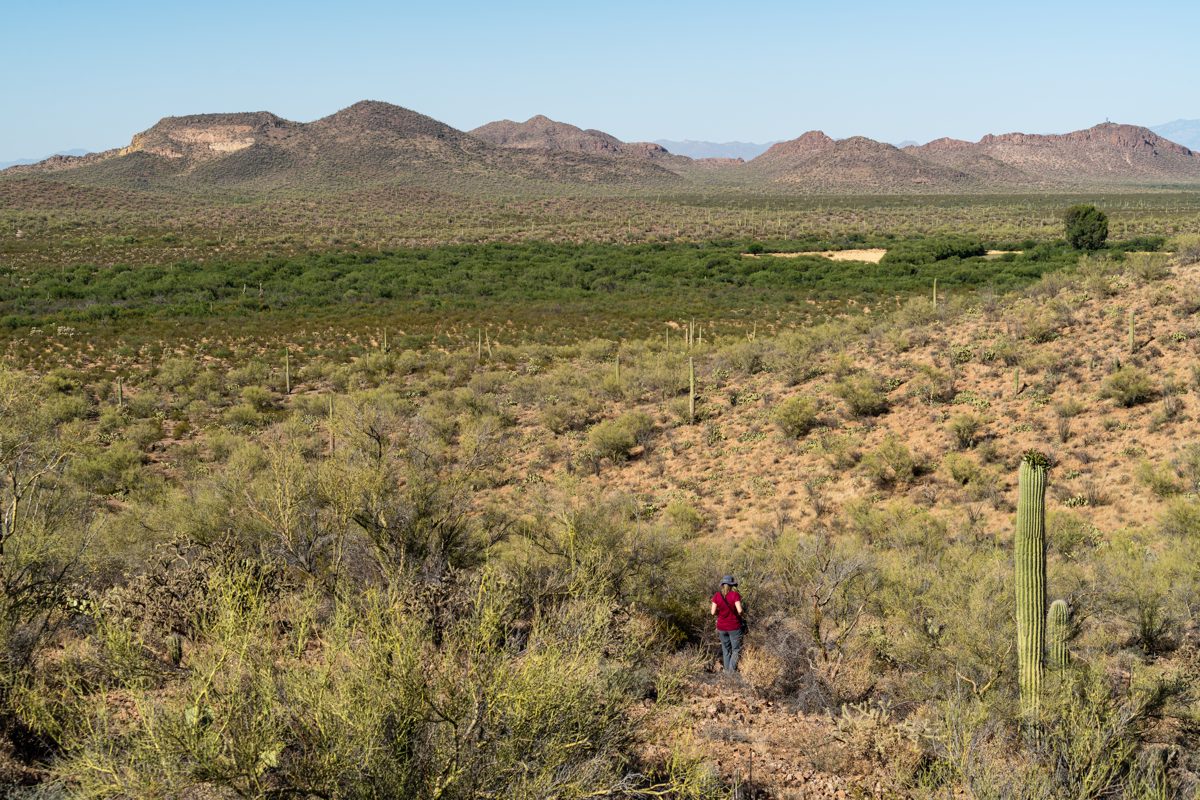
[
  {"x": 691, "y": 391},
  {"x": 1031, "y": 576},
  {"x": 1058, "y": 631}
]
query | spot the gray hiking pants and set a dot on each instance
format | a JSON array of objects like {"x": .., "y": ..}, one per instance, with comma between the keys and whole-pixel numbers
[{"x": 731, "y": 648}]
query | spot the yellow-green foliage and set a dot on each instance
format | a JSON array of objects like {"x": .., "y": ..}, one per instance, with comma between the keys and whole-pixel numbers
[
  {"x": 891, "y": 464},
  {"x": 383, "y": 697},
  {"x": 796, "y": 416},
  {"x": 865, "y": 395},
  {"x": 615, "y": 438},
  {"x": 1128, "y": 386}
]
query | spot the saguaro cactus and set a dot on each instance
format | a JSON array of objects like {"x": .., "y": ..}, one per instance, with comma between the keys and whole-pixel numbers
[
  {"x": 1030, "y": 562},
  {"x": 1058, "y": 630},
  {"x": 691, "y": 391},
  {"x": 175, "y": 649}
]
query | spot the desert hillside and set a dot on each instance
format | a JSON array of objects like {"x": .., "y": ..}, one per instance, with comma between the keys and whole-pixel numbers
[{"x": 857, "y": 472}]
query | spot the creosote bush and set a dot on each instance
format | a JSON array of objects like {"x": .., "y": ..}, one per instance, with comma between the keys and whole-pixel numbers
[
  {"x": 892, "y": 464},
  {"x": 1128, "y": 386},
  {"x": 616, "y": 438},
  {"x": 796, "y": 416},
  {"x": 865, "y": 394}
]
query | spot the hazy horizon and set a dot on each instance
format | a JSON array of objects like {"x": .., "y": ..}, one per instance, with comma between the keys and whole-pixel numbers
[{"x": 671, "y": 71}]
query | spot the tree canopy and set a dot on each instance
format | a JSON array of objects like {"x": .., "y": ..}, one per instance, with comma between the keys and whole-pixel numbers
[{"x": 1087, "y": 227}]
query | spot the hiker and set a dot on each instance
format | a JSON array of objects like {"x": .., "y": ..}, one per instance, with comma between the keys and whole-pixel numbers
[{"x": 727, "y": 608}]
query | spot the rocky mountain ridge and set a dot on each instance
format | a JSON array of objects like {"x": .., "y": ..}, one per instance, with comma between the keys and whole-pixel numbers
[{"x": 378, "y": 143}]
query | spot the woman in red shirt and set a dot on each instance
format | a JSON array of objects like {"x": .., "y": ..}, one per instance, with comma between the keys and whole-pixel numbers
[{"x": 727, "y": 608}]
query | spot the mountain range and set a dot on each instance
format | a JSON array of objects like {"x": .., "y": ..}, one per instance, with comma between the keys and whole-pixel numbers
[
  {"x": 1184, "y": 131},
  {"x": 374, "y": 143},
  {"x": 79, "y": 151}
]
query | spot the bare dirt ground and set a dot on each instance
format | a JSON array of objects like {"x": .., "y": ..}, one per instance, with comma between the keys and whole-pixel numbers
[
  {"x": 871, "y": 255},
  {"x": 771, "y": 749}
]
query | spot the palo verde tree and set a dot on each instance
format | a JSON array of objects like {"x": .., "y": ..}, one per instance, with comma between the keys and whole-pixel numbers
[{"x": 1086, "y": 227}]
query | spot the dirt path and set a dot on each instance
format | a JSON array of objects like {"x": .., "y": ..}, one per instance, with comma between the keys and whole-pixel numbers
[{"x": 772, "y": 750}]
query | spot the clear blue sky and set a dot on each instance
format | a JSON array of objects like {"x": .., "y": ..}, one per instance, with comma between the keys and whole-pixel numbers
[{"x": 89, "y": 74}]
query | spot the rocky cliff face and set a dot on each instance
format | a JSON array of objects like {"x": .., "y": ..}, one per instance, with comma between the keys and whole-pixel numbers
[{"x": 204, "y": 136}]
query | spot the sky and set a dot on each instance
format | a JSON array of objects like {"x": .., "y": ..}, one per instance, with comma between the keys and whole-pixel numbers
[{"x": 90, "y": 74}]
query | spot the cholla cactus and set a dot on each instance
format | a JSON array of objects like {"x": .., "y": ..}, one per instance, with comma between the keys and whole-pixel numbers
[{"x": 1030, "y": 563}]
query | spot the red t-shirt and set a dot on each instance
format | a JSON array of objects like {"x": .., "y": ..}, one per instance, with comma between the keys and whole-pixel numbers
[{"x": 727, "y": 618}]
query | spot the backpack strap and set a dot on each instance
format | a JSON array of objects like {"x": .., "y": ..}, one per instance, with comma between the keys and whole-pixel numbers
[{"x": 725, "y": 600}]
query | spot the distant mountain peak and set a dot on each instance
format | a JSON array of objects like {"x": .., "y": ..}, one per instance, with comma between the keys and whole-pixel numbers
[
  {"x": 368, "y": 116},
  {"x": 542, "y": 133},
  {"x": 1184, "y": 131}
]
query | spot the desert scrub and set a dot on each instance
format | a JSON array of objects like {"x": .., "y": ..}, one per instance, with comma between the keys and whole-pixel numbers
[
  {"x": 932, "y": 385},
  {"x": 1128, "y": 386},
  {"x": 614, "y": 439},
  {"x": 1186, "y": 248},
  {"x": 865, "y": 394},
  {"x": 116, "y": 469},
  {"x": 1148, "y": 267},
  {"x": 572, "y": 413},
  {"x": 960, "y": 468},
  {"x": 684, "y": 517},
  {"x": 1180, "y": 518},
  {"x": 307, "y": 711},
  {"x": 796, "y": 416},
  {"x": 1038, "y": 321},
  {"x": 967, "y": 430},
  {"x": 1160, "y": 479},
  {"x": 891, "y": 464}
]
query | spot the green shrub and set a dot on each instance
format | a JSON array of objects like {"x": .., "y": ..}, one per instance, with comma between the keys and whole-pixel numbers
[
  {"x": 259, "y": 397},
  {"x": 796, "y": 416},
  {"x": 174, "y": 373},
  {"x": 1159, "y": 478},
  {"x": 1086, "y": 227},
  {"x": 615, "y": 438},
  {"x": 342, "y": 704},
  {"x": 1148, "y": 267},
  {"x": 684, "y": 516},
  {"x": 1128, "y": 386},
  {"x": 243, "y": 415},
  {"x": 928, "y": 251},
  {"x": 116, "y": 469},
  {"x": 1069, "y": 534},
  {"x": 561, "y": 416},
  {"x": 1186, "y": 248},
  {"x": 966, "y": 429},
  {"x": 932, "y": 385},
  {"x": 962, "y": 469},
  {"x": 1181, "y": 518},
  {"x": 891, "y": 464},
  {"x": 865, "y": 394}
]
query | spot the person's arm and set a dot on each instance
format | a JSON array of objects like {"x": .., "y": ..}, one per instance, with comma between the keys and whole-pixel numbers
[
  {"x": 738, "y": 605},
  {"x": 713, "y": 611}
]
